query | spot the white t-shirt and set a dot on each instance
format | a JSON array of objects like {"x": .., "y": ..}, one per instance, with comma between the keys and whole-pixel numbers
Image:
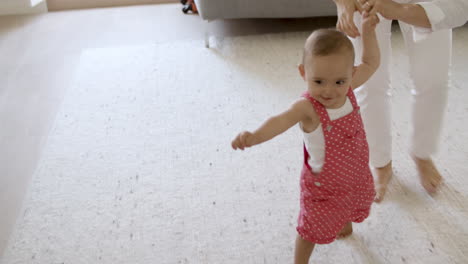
[{"x": 315, "y": 140}]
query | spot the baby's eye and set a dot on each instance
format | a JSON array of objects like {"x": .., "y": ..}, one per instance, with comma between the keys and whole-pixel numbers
[
  {"x": 340, "y": 82},
  {"x": 318, "y": 82}
]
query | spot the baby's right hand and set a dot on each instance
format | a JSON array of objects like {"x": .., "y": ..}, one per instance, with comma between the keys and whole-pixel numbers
[{"x": 243, "y": 140}]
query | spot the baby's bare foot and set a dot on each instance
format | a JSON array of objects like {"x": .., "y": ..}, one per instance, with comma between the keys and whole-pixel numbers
[
  {"x": 428, "y": 174},
  {"x": 384, "y": 175},
  {"x": 346, "y": 231}
]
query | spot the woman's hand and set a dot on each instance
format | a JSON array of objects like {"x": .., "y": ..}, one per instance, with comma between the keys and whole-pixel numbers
[
  {"x": 345, "y": 10},
  {"x": 412, "y": 14},
  {"x": 386, "y": 8}
]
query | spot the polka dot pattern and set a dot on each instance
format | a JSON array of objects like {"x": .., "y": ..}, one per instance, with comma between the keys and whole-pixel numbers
[{"x": 344, "y": 190}]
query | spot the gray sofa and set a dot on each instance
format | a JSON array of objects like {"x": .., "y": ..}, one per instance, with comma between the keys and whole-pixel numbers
[{"x": 232, "y": 9}]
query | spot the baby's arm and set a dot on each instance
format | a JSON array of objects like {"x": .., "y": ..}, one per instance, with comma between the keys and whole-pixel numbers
[
  {"x": 370, "y": 51},
  {"x": 273, "y": 126}
]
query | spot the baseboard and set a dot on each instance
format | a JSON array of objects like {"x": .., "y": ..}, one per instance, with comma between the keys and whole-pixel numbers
[{"x": 56, "y": 5}]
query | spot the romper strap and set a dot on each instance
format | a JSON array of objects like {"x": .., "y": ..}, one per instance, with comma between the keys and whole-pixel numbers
[
  {"x": 319, "y": 109},
  {"x": 352, "y": 98}
]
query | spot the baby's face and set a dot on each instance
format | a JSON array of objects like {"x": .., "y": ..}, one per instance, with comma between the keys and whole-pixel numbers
[{"x": 329, "y": 78}]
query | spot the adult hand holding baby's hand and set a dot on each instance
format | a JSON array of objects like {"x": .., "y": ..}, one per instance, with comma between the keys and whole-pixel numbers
[
  {"x": 243, "y": 140},
  {"x": 386, "y": 8},
  {"x": 345, "y": 10}
]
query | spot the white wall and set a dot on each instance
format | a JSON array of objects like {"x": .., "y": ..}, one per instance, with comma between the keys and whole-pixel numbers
[{"x": 11, "y": 7}]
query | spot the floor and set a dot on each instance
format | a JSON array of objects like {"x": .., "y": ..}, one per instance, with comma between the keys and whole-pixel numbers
[
  {"x": 40, "y": 55},
  {"x": 138, "y": 167}
]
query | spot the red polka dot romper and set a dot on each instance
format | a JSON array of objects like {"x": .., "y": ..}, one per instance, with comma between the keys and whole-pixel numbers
[{"x": 343, "y": 191}]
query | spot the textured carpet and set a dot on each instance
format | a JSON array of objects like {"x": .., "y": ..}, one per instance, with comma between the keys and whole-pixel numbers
[{"x": 138, "y": 167}]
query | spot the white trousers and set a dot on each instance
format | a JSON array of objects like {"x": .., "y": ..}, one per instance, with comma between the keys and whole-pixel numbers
[{"x": 430, "y": 61}]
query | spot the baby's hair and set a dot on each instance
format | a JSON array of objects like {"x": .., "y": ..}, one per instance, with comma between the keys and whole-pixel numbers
[{"x": 326, "y": 41}]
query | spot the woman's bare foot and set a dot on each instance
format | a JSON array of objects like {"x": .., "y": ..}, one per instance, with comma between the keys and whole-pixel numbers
[
  {"x": 384, "y": 175},
  {"x": 428, "y": 174},
  {"x": 346, "y": 231}
]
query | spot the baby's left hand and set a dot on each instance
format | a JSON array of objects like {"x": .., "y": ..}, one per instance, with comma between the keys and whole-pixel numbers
[{"x": 369, "y": 22}]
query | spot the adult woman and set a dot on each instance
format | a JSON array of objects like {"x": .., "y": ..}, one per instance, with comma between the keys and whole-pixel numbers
[{"x": 429, "y": 95}]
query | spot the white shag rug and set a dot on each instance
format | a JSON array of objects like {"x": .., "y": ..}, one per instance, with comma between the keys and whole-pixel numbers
[{"x": 138, "y": 167}]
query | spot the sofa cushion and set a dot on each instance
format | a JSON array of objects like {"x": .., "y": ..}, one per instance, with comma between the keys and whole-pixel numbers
[{"x": 228, "y": 9}]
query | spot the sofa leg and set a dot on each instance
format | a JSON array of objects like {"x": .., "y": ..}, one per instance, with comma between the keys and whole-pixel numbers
[
  {"x": 207, "y": 40},
  {"x": 207, "y": 34}
]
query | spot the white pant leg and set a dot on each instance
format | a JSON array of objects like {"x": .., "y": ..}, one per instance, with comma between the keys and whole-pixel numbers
[
  {"x": 374, "y": 97},
  {"x": 430, "y": 61}
]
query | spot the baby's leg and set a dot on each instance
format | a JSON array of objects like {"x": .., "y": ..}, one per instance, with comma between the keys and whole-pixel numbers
[
  {"x": 346, "y": 231},
  {"x": 303, "y": 250}
]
